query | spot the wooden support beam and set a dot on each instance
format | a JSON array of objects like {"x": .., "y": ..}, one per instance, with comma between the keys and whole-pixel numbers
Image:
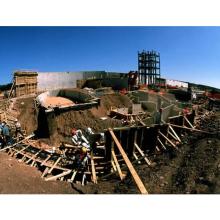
[
  {"x": 117, "y": 165},
  {"x": 94, "y": 177},
  {"x": 54, "y": 165},
  {"x": 73, "y": 176},
  {"x": 157, "y": 148},
  {"x": 135, "y": 156},
  {"x": 23, "y": 158},
  {"x": 45, "y": 172},
  {"x": 59, "y": 175},
  {"x": 13, "y": 145},
  {"x": 113, "y": 165},
  {"x": 23, "y": 149},
  {"x": 172, "y": 129},
  {"x": 191, "y": 129},
  {"x": 133, "y": 172},
  {"x": 168, "y": 140},
  {"x": 172, "y": 135},
  {"x": 34, "y": 156},
  {"x": 188, "y": 121},
  {"x": 142, "y": 154},
  {"x": 163, "y": 146},
  {"x": 33, "y": 163}
]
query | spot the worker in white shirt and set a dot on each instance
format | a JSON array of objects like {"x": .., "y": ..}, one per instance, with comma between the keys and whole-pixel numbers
[{"x": 18, "y": 129}]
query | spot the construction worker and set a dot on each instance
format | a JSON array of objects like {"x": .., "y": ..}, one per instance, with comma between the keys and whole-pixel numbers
[
  {"x": 79, "y": 139},
  {"x": 1, "y": 136},
  {"x": 81, "y": 157},
  {"x": 18, "y": 129},
  {"x": 6, "y": 133}
]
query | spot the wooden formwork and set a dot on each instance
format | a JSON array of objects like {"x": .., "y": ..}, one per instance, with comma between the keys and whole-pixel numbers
[
  {"x": 25, "y": 83},
  {"x": 123, "y": 148}
]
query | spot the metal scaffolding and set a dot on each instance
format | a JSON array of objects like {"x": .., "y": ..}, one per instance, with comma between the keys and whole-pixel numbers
[{"x": 148, "y": 67}]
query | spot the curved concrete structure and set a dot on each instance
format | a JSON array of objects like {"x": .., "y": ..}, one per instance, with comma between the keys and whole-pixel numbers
[{"x": 66, "y": 98}]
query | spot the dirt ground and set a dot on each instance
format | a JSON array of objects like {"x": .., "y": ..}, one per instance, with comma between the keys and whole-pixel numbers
[
  {"x": 195, "y": 169},
  {"x": 18, "y": 178}
]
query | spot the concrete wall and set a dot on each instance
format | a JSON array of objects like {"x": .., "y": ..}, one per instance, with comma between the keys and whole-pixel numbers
[
  {"x": 167, "y": 112},
  {"x": 61, "y": 80},
  {"x": 57, "y": 80}
]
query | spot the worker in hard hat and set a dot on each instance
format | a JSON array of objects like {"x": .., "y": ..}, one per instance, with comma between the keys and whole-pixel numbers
[
  {"x": 81, "y": 157},
  {"x": 79, "y": 139},
  {"x": 18, "y": 130}
]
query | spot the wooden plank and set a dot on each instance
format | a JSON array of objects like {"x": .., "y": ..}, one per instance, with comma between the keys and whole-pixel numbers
[
  {"x": 133, "y": 172},
  {"x": 34, "y": 156},
  {"x": 117, "y": 165},
  {"x": 142, "y": 154},
  {"x": 94, "y": 178},
  {"x": 168, "y": 140},
  {"x": 56, "y": 162},
  {"x": 59, "y": 175}
]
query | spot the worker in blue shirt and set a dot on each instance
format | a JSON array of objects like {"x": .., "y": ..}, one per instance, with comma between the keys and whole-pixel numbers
[{"x": 6, "y": 133}]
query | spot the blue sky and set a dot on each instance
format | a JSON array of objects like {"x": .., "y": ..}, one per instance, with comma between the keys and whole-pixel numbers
[{"x": 187, "y": 53}]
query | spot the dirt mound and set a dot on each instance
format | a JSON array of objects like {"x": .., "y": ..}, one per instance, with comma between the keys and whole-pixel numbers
[
  {"x": 91, "y": 118},
  {"x": 108, "y": 101},
  {"x": 26, "y": 114},
  {"x": 18, "y": 178}
]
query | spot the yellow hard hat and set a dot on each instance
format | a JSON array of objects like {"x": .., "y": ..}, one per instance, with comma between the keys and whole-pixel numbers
[{"x": 84, "y": 149}]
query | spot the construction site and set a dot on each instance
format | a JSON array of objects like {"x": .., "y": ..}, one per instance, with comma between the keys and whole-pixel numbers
[{"x": 98, "y": 132}]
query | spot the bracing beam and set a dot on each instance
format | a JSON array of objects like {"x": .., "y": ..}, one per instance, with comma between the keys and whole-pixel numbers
[{"x": 133, "y": 172}]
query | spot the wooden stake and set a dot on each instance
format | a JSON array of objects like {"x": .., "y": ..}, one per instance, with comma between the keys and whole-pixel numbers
[
  {"x": 94, "y": 178},
  {"x": 133, "y": 172}
]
